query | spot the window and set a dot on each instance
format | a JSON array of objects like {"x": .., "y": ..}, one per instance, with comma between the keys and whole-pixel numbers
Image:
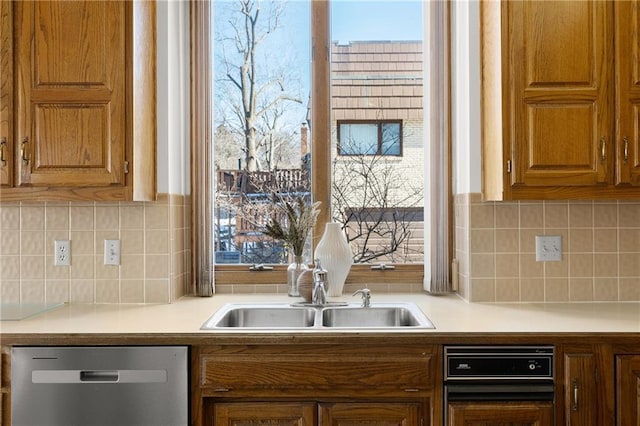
[
  {"x": 379, "y": 138},
  {"x": 329, "y": 132}
]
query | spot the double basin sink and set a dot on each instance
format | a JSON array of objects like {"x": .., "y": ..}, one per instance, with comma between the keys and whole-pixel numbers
[{"x": 313, "y": 317}]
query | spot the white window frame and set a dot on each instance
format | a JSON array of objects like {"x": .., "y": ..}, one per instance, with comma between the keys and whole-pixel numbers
[{"x": 437, "y": 110}]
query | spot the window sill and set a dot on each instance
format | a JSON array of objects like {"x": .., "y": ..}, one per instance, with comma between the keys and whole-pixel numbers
[{"x": 359, "y": 274}]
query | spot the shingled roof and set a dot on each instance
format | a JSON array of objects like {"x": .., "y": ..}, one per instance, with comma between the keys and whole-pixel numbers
[{"x": 375, "y": 80}]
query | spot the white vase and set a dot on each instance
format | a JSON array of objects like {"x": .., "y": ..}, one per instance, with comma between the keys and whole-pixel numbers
[{"x": 336, "y": 258}]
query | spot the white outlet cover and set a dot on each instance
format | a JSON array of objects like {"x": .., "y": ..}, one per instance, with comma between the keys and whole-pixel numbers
[
  {"x": 62, "y": 253},
  {"x": 548, "y": 248}
]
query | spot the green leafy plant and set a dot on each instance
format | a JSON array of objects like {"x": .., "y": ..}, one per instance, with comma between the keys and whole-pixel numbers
[{"x": 298, "y": 218}]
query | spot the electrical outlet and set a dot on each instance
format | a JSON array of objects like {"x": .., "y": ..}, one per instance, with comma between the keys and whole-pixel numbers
[
  {"x": 62, "y": 253},
  {"x": 548, "y": 248},
  {"x": 111, "y": 252}
]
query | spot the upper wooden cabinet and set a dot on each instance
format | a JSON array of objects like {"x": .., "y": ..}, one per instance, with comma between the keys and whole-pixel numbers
[
  {"x": 627, "y": 57},
  {"x": 560, "y": 96},
  {"x": 6, "y": 94},
  {"x": 77, "y": 100}
]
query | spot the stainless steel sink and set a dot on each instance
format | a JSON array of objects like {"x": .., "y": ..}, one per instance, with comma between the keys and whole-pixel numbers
[
  {"x": 261, "y": 316},
  {"x": 376, "y": 316},
  {"x": 386, "y": 316}
]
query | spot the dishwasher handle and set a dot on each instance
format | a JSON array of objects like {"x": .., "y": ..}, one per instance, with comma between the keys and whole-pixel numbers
[{"x": 99, "y": 376}]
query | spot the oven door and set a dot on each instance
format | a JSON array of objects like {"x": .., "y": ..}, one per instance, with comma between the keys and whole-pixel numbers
[{"x": 499, "y": 403}]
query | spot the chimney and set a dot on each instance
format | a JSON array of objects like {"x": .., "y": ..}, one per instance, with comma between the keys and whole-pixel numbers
[{"x": 304, "y": 143}]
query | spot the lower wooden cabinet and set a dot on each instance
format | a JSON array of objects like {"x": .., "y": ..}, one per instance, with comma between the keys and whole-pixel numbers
[
  {"x": 261, "y": 413},
  {"x": 601, "y": 385},
  {"x": 337, "y": 385},
  {"x": 597, "y": 384},
  {"x": 520, "y": 413},
  {"x": 310, "y": 413},
  {"x": 628, "y": 390},
  {"x": 368, "y": 413},
  {"x": 580, "y": 384}
]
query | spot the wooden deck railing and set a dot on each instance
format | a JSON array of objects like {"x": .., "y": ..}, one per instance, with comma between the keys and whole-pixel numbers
[{"x": 284, "y": 180}]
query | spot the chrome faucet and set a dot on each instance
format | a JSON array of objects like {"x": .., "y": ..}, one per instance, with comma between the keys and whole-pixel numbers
[
  {"x": 319, "y": 294},
  {"x": 366, "y": 296}
]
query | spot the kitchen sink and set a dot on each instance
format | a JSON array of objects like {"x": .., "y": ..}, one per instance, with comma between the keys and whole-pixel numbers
[
  {"x": 318, "y": 317},
  {"x": 375, "y": 316},
  {"x": 262, "y": 316}
]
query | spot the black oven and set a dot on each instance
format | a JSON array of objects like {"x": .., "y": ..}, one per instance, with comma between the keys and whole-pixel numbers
[{"x": 498, "y": 373}]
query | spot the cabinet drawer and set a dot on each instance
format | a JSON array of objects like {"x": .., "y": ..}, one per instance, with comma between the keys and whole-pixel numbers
[{"x": 314, "y": 369}]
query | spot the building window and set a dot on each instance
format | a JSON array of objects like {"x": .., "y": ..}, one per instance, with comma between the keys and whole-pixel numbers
[
  {"x": 367, "y": 89},
  {"x": 366, "y": 138}
]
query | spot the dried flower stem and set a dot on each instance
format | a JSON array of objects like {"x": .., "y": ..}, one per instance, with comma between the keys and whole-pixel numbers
[{"x": 300, "y": 218}]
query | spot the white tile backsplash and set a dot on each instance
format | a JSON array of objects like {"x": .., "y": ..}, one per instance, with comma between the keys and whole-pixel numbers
[
  {"x": 495, "y": 246},
  {"x": 154, "y": 265}
]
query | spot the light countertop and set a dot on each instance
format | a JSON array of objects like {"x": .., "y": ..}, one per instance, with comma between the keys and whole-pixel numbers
[{"x": 449, "y": 313}]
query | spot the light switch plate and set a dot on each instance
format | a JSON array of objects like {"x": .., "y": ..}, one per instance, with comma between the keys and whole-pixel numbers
[
  {"x": 548, "y": 248},
  {"x": 111, "y": 252}
]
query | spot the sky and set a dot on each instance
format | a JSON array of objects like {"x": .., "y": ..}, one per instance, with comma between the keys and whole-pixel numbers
[
  {"x": 351, "y": 20},
  {"x": 357, "y": 20}
]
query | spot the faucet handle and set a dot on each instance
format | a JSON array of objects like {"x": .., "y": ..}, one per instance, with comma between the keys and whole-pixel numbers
[
  {"x": 320, "y": 277},
  {"x": 319, "y": 273},
  {"x": 366, "y": 296}
]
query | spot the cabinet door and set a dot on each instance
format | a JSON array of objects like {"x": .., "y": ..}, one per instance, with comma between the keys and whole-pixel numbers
[
  {"x": 6, "y": 93},
  {"x": 560, "y": 61},
  {"x": 500, "y": 414},
  {"x": 264, "y": 413},
  {"x": 580, "y": 396},
  {"x": 70, "y": 97},
  {"x": 628, "y": 390},
  {"x": 365, "y": 414},
  {"x": 627, "y": 27}
]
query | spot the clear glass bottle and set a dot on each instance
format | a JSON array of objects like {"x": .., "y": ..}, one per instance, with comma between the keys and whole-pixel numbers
[{"x": 294, "y": 270}]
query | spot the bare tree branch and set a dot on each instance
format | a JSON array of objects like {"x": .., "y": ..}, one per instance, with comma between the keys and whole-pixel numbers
[
  {"x": 257, "y": 89},
  {"x": 375, "y": 206}
]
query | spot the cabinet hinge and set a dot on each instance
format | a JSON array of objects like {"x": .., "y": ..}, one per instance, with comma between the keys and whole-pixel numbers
[
  {"x": 126, "y": 167},
  {"x": 508, "y": 166}
]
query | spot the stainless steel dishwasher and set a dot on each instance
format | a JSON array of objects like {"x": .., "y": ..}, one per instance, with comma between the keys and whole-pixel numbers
[{"x": 99, "y": 386}]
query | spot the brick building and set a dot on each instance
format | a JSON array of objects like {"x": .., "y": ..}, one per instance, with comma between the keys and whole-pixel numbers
[
  {"x": 381, "y": 82},
  {"x": 377, "y": 97}
]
